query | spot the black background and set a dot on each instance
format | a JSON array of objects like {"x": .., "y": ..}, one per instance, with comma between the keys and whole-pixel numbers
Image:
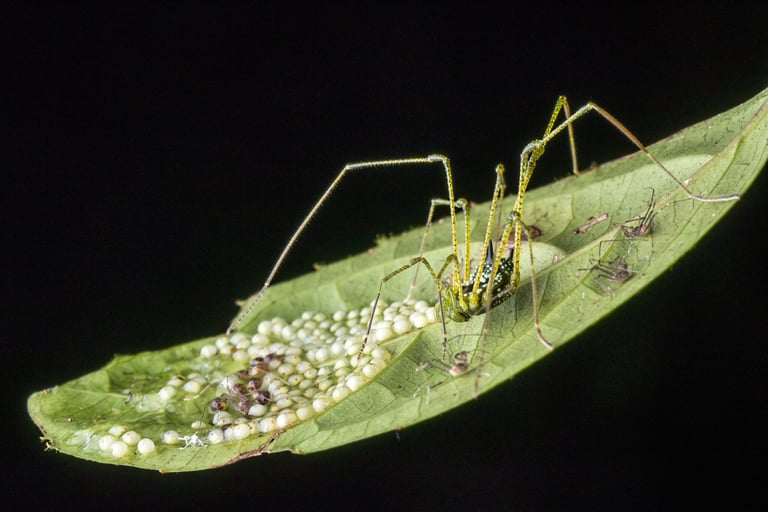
[{"x": 161, "y": 154}]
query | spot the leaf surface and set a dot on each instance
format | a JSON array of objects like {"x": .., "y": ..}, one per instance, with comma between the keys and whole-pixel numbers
[{"x": 581, "y": 278}]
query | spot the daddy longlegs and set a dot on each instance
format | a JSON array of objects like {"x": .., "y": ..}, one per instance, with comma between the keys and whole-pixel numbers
[
  {"x": 640, "y": 225},
  {"x": 468, "y": 291},
  {"x": 458, "y": 365},
  {"x": 608, "y": 274}
]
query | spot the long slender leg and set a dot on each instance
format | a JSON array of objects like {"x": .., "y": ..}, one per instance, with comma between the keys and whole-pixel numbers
[
  {"x": 347, "y": 169},
  {"x": 461, "y": 204},
  {"x": 436, "y": 277},
  {"x": 590, "y": 107}
]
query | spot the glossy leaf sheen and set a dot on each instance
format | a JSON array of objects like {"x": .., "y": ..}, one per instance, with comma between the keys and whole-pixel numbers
[{"x": 717, "y": 157}]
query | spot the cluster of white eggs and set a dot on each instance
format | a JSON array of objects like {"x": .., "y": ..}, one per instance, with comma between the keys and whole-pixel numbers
[{"x": 288, "y": 373}]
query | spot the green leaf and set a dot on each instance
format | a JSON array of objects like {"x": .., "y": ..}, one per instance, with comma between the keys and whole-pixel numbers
[{"x": 581, "y": 278}]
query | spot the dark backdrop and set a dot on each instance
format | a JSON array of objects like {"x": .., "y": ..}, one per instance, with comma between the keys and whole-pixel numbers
[{"x": 160, "y": 155}]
